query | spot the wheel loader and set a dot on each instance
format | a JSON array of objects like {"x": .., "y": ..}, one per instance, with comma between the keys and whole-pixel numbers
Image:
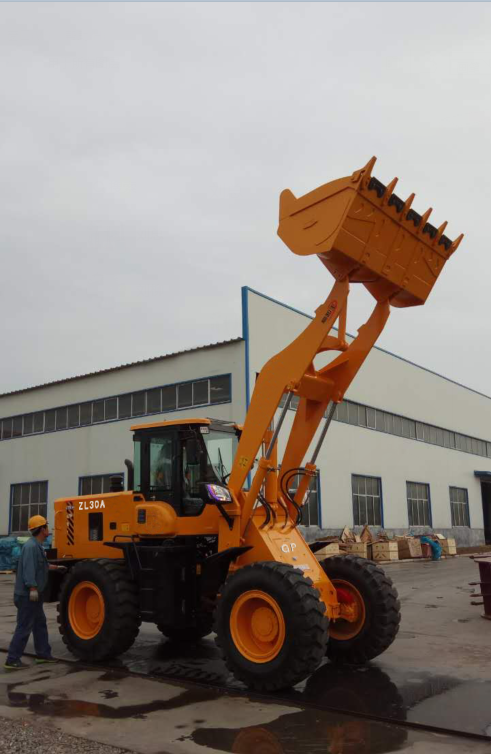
[{"x": 206, "y": 536}]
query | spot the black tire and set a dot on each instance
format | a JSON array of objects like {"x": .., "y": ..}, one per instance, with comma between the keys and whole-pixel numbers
[
  {"x": 382, "y": 609},
  {"x": 203, "y": 627},
  {"x": 121, "y": 610},
  {"x": 305, "y": 626}
]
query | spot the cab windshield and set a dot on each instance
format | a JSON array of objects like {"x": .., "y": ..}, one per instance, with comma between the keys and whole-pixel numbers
[
  {"x": 220, "y": 448},
  {"x": 213, "y": 466}
]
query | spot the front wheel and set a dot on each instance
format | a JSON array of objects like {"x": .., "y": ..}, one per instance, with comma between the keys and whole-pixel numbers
[
  {"x": 271, "y": 626},
  {"x": 98, "y": 613},
  {"x": 366, "y": 590}
]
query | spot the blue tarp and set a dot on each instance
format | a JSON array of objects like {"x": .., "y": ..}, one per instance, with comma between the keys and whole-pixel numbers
[
  {"x": 436, "y": 548},
  {"x": 10, "y": 549}
]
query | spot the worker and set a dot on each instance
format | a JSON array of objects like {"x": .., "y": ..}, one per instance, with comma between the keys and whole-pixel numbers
[{"x": 30, "y": 583}]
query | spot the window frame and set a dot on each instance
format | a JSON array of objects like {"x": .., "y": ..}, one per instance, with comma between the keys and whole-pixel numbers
[
  {"x": 430, "y": 513},
  {"x": 21, "y": 532},
  {"x": 380, "y": 495},
  {"x": 465, "y": 505}
]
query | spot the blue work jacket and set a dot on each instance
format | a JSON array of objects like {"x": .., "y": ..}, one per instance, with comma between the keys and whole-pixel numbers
[{"x": 32, "y": 569}]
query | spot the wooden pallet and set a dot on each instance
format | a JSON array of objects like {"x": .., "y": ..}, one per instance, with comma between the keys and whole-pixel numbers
[{"x": 4, "y": 572}]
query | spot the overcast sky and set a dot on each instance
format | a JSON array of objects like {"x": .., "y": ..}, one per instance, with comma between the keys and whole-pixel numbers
[{"x": 143, "y": 148}]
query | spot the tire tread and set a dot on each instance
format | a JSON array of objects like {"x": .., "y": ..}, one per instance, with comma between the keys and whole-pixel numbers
[
  {"x": 386, "y": 616},
  {"x": 309, "y": 623}
]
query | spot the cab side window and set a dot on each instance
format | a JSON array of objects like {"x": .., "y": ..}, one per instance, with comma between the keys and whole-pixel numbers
[{"x": 161, "y": 463}]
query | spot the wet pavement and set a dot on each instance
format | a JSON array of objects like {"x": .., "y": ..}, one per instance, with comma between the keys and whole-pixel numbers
[
  {"x": 436, "y": 675},
  {"x": 153, "y": 716}
]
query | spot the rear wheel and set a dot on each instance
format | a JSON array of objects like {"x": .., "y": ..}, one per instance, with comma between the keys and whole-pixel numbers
[
  {"x": 98, "y": 612},
  {"x": 271, "y": 626},
  {"x": 369, "y": 594}
]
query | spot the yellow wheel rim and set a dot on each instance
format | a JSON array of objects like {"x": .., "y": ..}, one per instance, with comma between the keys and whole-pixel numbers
[
  {"x": 257, "y": 626},
  {"x": 350, "y": 625},
  {"x": 86, "y": 610}
]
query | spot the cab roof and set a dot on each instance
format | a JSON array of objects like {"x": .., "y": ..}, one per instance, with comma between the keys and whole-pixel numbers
[{"x": 171, "y": 423}]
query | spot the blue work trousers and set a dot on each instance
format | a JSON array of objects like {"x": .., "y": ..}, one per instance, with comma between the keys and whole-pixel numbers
[{"x": 30, "y": 619}]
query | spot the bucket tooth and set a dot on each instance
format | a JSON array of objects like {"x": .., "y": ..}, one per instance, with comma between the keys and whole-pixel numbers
[
  {"x": 456, "y": 244},
  {"x": 407, "y": 203},
  {"x": 439, "y": 232},
  {"x": 425, "y": 217},
  {"x": 365, "y": 172},
  {"x": 389, "y": 190}
]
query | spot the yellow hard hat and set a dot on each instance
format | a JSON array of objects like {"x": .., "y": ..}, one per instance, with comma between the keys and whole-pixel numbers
[{"x": 35, "y": 522}]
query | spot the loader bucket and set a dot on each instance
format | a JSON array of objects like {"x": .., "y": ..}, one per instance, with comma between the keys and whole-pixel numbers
[{"x": 360, "y": 228}]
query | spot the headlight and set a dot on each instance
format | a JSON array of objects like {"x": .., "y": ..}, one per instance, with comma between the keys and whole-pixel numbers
[{"x": 220, "y": 494}]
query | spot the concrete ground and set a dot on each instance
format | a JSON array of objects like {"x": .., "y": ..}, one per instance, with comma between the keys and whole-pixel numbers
[{"x": 160, "y": 698}]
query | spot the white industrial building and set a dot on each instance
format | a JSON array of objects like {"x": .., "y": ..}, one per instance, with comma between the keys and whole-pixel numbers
[{"x": 408, "y": 448}]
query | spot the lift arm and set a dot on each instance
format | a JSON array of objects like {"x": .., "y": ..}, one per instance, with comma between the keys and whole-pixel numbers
[{"x": 362, "y": 233}]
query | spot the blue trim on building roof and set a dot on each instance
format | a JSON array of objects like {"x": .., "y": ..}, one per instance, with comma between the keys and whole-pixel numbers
[
  {"x": 377, "y": 348},
  {"x": 245, "y": 336}
]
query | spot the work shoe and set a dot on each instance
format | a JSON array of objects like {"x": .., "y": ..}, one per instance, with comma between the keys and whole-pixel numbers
[
  {"x": 43, "y": 660},
  {"x": 15, "y": 665}
]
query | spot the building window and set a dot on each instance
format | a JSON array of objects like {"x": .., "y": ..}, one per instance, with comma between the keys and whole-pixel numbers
[
  {"x": 125, "y": 406},
  {"x": 62, "y": 418},
  {"x": 85, "y": 414},
  {"x": 310, "y": 509},
  {"x": 185, "y": 395},
  {"x": 139, "y": 403},
  {"x": 154, "y": 401},
  {"x": 17, "y": 426},
  {"x": 359, "y": 415},
  {"x": 28, "y": 424},
  {"x": 28, "y": 499},
  {"x": 367, "y": 500},
  {"x": 418, "y": 504},
  {"x": 169, "y": 398},
  {"x": 96, "y": 485},
  {"x": 98, "y": 411},
  {"x": 459, "y": 506},
  {"x": 111, "y": 408},
  {"x": 74, "y": 415},
  {"x": 221, "y": 389},
  {"x": 50, "y": 420},
  {"x": 203, "y": 392}
]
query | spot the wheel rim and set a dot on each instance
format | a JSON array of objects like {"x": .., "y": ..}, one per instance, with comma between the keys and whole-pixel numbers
[
  {"x": 344, "y": 629},
  {"x": 86, "y": 610},
  {"x": 257, "y": 626}
]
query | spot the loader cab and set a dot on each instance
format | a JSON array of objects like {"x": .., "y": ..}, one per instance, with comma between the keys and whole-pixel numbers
[{"x": 174, "y": 460}]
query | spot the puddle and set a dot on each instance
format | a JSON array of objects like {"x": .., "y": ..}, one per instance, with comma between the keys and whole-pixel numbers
[
  {"x": 47, "y": 706},
  {"x": 305, "y": 732},
  {"x": 415, "y": 696}
]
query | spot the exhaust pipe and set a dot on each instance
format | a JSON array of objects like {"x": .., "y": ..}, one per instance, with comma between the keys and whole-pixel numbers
[{"x": 131, "y": 474}]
